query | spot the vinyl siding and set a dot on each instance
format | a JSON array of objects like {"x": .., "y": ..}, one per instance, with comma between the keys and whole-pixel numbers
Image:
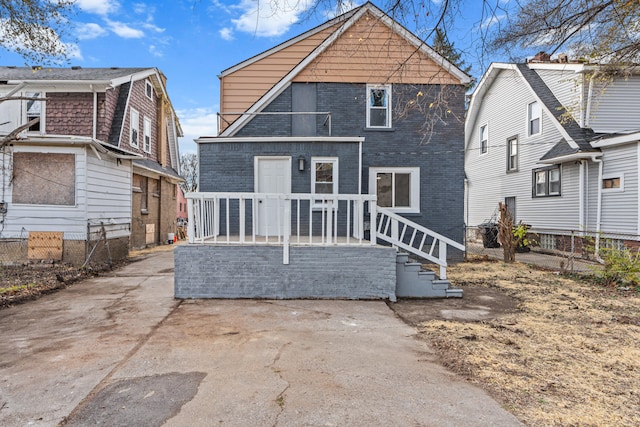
[
  {"x": 567, "y": 86},
  {"x": 504, "y": 110},
  {"x": 109, "y": 193},
  {"x": 615, "y": 107},
  {"x": 23, "y": 218},
  {"x": 620, "y": 208}
]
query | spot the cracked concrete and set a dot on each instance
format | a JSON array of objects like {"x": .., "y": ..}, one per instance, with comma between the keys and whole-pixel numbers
[{"x": 81, "y": 352}]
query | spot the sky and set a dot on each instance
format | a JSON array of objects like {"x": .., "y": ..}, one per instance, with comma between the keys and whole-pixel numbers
[{"x": 192, "y": 41}]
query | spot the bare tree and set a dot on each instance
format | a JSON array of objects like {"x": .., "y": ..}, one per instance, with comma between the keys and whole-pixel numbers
[
  {"x": 603, "y": 31},
  {"x": 189, "y": 171},
  {"x": 34, "y": 29}
]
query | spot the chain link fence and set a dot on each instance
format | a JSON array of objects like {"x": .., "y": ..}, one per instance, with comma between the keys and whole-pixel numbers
[
  {"x": 98, "y": 248},
  {"x": 571, "y": 251}
]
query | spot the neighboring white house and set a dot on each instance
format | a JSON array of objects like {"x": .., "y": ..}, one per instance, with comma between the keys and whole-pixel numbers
[{"x": 560, "y": 145}]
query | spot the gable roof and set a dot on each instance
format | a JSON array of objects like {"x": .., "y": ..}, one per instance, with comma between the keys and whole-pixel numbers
[
  {"x": 575, "y": 139},
  {"x": 67, "y": 74},
  {"x": 333, "y": 29}
]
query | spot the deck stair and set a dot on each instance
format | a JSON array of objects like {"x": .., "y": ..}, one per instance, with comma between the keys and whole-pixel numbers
[{"x": 406, "y": 235}]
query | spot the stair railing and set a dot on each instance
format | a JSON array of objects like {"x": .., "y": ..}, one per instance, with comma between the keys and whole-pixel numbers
[{"x": 414, "y": 238}]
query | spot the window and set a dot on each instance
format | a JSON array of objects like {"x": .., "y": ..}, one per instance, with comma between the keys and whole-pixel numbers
[
  {"x": 34, "y": 111},
  {"x": 148, "y": 89},
  {"x": 44, "y": 179},
  {"x": 510, "y": 202},
  {"x": 396, "y": 188},
  {"x": 484, "y": 140},
  {"x": 534, "y": 122},
  {"x": 325, "y": 176},
  {"x": 135, "y": 127},
  {"x": 144, "y": 197},
  {"x": 613, "y": 183},
  {"x": 147, "y": 135},
  {"x": 512, "y": 154},
  {"x": 546, "y": 181},
  {"x": 378, "y": 106}
]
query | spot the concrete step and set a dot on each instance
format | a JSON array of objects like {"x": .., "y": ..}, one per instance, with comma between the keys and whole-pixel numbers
[{"x": 414, "y": 282}]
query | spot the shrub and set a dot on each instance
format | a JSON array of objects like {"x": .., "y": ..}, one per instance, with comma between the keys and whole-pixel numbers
[{"x": 621, "y": 267}]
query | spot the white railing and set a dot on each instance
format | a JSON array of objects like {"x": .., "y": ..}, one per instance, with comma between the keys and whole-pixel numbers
[
  {"x": 281, "y": 219},
  {"x": 414, "y": 238}
]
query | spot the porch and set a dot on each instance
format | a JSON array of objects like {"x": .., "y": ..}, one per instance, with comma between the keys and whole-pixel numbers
[{"x": 269, "y": 245}]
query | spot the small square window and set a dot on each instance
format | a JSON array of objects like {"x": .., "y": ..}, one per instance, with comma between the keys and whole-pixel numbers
[
  {"x": 396, "y": 188},
  {"x": 613, "y": 183}
]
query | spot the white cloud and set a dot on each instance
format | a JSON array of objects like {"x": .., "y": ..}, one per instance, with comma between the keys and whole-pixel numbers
[
  {"x": 153, "y": 50},
  {"x": 269, "y": 18},
  {"x": 100, "y": 7},
  {"x": 125, "y": 31},
  {"x": 491, "y": 21},
  {"x": 73, "y": 51},
  {"x": 152, "y": 27},
  {"x": 196, "y": 122},
  {"x": 55, "y": 48},
  {"x": 89, "y": 31},
  {"x": 226, "y": 34}
]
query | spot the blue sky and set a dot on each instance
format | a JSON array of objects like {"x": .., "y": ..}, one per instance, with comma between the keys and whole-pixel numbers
[{"x": 192, "y": 41}]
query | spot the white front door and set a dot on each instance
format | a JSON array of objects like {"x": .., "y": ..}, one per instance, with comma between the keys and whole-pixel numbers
[{"x": 273, "y": 175}]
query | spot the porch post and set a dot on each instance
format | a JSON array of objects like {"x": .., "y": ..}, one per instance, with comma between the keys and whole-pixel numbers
[
  {"x": 286, "y": 231},
  {"x": 192, "y": 221},
  {"x": 442, "y": 255},
  {"x": 373, "y": 217}
]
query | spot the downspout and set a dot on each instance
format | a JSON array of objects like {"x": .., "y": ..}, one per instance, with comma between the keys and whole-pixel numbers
[
  {"x": 95, "y": 113},
  {"x": 360, "y": 167},
  {"x": 599, "y": 206},
  {"x": 582, "y": 196}
]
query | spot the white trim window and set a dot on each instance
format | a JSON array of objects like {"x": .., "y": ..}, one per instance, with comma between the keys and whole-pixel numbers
[
  {"x": 378, "y": 106},
  {"x": 397, "y": 188},
  {"x": 135, "y": 128},
  {"x": 534, "y": 119},
  {"x": 613, "y": 183},
  {"x": 148, "y": 89},
  {"x": 484, "y": 139},
  {"x": 324, "y": 179},
  {"x": 546, "y": 181},
  {"x": 512, "y": 154},
  {"x": 147, "y": 135},
  {"x": 34, "y": 109}
]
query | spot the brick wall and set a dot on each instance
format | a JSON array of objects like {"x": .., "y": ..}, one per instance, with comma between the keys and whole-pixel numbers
[
  {"x": 440, "y": 156},
  {"x": 161, "y": 212},
  {"x": 207, "y": 271}
]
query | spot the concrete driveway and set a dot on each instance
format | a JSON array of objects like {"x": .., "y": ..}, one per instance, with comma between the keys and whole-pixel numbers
[{"x": 120, "y": 351}]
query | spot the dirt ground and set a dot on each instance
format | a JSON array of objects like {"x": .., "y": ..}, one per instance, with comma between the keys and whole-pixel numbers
[{"x": 552, "y": 350}]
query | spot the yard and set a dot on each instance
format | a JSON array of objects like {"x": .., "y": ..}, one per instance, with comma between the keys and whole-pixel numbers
[
  {"x": 552, "y": 350},
  {"x": 565, "y": 352}
]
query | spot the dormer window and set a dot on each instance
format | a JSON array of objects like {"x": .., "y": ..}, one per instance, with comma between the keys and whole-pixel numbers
[
  {"x": 534, "y": 119},
  {"x": 378, "y": 106},
  {"x": 148, "y": 89}
]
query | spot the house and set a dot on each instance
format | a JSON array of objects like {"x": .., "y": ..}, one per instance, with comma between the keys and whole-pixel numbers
[
  {"x": 89, "y": 155},
  {"x": 316, "y": 129},
  {"x": 557, "y": 141}
]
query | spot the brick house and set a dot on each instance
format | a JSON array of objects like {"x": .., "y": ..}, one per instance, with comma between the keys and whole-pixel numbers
[
  {"x": 314, "y": 131},
  {"x": 100, "y": 162}
]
